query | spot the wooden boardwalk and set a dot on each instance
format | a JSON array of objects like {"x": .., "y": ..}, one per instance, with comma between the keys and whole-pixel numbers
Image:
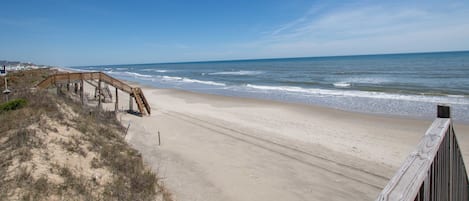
[{"x": 78, "y": 78}]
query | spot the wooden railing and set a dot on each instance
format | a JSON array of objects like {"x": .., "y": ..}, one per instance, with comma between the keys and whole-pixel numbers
[
  {"x": 435, "y": 171},
  {"x": 67, "y": 78}
]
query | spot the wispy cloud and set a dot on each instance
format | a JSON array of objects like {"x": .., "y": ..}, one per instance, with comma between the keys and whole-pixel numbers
[{"x": 360, "y": 29}]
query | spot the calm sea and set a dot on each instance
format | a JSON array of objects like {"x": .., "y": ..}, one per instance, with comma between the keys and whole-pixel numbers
[{"x": 396, "y": 84}]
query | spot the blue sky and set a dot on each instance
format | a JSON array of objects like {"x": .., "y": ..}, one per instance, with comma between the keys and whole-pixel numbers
[{"x": 92, "y": 32}]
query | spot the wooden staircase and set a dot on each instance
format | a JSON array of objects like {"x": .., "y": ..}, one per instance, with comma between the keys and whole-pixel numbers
[
  {"x": 141, "y": 101},
  {"x": 90, "y": 77}
]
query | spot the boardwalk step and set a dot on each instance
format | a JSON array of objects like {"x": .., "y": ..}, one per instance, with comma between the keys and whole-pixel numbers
[{"x": 138, "y": 99}]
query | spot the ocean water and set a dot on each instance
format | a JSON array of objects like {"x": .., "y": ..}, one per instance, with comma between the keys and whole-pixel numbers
[{"x": 408, "y": 85}]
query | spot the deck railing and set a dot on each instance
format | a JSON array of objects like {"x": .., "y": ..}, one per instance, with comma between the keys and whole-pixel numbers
[{"x": 435, "y": 171}]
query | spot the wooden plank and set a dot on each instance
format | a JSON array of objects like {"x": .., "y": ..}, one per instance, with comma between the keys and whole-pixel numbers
[{"x": 406, "y": 183}]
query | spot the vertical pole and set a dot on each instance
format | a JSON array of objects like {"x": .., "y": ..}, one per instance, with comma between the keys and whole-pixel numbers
[
  {"x": 68, "y": 83},
  {"x": 131, "y": 103},
  {"x": 82, "y": 95},
  {"x": 117, "y": 101},
  {"x": 99, "y": 94},
  {"x": 76, "y": 88},
  {"x": 159, "y": 139}
]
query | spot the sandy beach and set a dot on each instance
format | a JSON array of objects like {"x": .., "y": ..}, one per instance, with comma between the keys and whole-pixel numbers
[{"x": 228, "y": 148}]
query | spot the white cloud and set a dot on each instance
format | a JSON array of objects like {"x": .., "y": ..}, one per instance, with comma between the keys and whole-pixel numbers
[{"x": 367, "y": 29}]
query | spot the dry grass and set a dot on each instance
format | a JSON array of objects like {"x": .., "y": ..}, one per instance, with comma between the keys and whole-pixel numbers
[{"x": 55, "y": 149}]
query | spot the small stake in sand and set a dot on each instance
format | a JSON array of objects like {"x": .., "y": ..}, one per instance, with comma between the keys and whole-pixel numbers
[
  {"x": 159, "y": 139},
  {"x": 127, "y": 130}
]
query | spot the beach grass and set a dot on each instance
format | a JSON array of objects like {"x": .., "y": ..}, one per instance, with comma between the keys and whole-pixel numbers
[{"x": 52, "y": 148}]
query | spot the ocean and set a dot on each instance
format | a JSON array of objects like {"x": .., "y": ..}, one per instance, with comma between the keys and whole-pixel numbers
[{"x": 409, "y": 85}]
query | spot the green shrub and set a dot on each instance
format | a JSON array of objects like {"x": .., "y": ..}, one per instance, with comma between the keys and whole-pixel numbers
[{"x": 13, "y": 104}]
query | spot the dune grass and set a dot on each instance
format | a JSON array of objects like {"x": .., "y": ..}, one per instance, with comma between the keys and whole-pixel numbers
[{"x": 34, "y": 117}]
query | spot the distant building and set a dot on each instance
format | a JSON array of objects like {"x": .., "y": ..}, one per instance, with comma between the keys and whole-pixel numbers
[{"x": 3, "y": 71}]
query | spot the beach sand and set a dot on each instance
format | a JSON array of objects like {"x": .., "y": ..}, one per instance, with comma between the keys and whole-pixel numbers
[{"x": 228, "y": 148}]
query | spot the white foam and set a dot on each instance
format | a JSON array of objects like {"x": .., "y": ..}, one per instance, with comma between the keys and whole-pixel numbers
[
  {"x": 342, "y": 84},
  {"x": 133, "y": 74},
  {"x": 203, "y": 82},
  {"x": 137, "y": 74},
  {"x": 170, "y": 78},
  {"x": 242, "y": 72},
  {"x": 455, "y": 96},
  {"x": 366, "y": 80},
  {"x": 361, "y": 94},
  {"x": 188, "y": 80},
  {"x": 156, "y": 70}
]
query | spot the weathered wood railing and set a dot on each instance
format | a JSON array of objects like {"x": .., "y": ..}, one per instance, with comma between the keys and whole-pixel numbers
[
  {"x": 67, "y": 78},
  {"x": 435, "y": 171}
]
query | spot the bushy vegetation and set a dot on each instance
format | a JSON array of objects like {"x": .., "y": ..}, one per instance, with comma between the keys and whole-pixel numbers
[{"x": 13, "y": 105}]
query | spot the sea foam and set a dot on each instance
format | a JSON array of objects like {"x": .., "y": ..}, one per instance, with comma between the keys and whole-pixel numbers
[
  {"x": 342, "y": 84},
  {"x": 242, "y": 72},
  {"x": 126, "y": 73},
  {"x": 188, "y": 80},
  {"x": 361, "y": 94}
]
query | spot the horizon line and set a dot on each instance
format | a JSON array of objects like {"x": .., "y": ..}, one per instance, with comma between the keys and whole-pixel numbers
[{"x": 275, "y": 58}]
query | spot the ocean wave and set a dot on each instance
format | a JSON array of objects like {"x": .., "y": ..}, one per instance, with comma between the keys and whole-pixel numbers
[
  {"x": 188, "y": 80},
  {"x": 455, "y": 96},
  {"x": 242, "y": 72},
  {"x": 127, "y": 73},
  {"x": 368, "y": 80},
  {"x": 361, "y": 94},
  {"x": 156, "y": 70},
  {"x": 342, "y": 84}
]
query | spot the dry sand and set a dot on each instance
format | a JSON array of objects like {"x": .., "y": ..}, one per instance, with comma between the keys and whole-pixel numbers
[{"x": 226, "y": 148}]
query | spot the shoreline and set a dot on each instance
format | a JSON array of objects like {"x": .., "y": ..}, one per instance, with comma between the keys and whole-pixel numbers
[
  {"x": 299, "y": 103},
  {"x": 280, "y": 145},
  {"x": 217, "y": 147},
  {"x": 389, "y": 107},
  {"x": 410, "y": 109}
]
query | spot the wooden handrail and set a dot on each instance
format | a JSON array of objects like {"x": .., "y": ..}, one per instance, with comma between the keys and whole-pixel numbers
[
  {"x": 435, "y": 171},
  {"x": 74, "y": 77}
]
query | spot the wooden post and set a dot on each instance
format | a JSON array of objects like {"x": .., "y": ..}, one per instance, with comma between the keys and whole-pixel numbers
[
  {"x": 68, "y": 82},
  {"x": 159, "y": 139},
  {"x": 76, "y": 88},
  {"x": 131, "y": 103},
  {"x": 82, "y": 95},
  {"x": 443, "y": 111},
  {"x": 127, "y": 130},
  {"x": 117, "y": 101},
  {"x": 99, "y": 93}
]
